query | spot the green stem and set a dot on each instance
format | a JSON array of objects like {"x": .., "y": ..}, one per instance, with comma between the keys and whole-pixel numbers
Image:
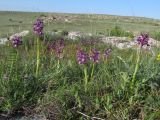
[
  {"x": 14, "y": 57},
  {"x": 92, "y": 72},
  {"x": 38, "y": 58},
  {"x": 58, "y": 64},
  {"x": 85, "y": 79},
  {"x": 136, "y": 69}
]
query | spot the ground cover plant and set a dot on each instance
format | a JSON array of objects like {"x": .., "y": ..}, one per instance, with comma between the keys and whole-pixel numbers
[{"x": 61, "y": 79}]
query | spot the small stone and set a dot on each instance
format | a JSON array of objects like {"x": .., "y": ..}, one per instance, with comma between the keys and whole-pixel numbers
[
  {"x": 3, "y": 41},
  {"x": 21, "y": 34}
]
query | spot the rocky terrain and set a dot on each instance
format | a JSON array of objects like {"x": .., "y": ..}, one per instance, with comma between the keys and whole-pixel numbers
[{"x": 119, "y": 42}]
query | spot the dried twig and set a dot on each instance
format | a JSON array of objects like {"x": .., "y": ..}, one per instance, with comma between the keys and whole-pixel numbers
[{"x": 92, "y": 118}]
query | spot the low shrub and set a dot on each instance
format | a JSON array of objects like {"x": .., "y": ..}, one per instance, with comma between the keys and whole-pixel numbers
[
  {"x": 119, "y": 32},
  {"x": 155, "y": 35}
]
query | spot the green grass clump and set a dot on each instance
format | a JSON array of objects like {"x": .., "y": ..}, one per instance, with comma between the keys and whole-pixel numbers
[
  {"x": 155, "y": 35},
  {"x": 117, "y": 31}
]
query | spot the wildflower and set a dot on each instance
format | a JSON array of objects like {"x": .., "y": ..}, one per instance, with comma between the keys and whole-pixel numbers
[
  {"x": 59, "y": 52},
  {"x": 107, "y": 52},
  {"x": 57, "y": 47},
  {"x": 143, "y": 40},
  {"x": 82, "y": 57},
  {"x": 96, "y": 56},
  {"x": 38, "y": 27},
  {"x": 16, "y": 41},
  {"x": 158, "y": 57}
]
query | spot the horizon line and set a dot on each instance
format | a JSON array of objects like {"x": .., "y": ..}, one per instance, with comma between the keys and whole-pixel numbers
[{"x": 82, "y": 13}]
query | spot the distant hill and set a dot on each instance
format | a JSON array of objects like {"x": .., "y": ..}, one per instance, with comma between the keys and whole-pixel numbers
[{"x": 12, "y": 22}]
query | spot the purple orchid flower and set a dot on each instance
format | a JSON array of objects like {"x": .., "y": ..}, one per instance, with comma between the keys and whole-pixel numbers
[
  {"x": 143, "y": 39},
  {"x": 16, "y": 41},
  {"x": 57, "y": 47},
  {"x": 38, "y": 27},
  {"x": 95, "y": 56},
  {"x": 107, "y": 52},
  {"x": 82, "y": 57}
]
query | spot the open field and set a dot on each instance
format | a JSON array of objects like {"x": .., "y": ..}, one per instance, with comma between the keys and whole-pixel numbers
[
  {"x": 12, "y": 22},
  {"x": 53, "y": 77}
]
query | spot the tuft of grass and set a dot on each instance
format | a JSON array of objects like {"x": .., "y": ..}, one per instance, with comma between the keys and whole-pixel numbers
[
  {"x": 119, "y": 32},
  {"x": 155, "y": 35}
]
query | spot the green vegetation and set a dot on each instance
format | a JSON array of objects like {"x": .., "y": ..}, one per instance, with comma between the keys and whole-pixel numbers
[
  {"x": 58, "y": 92},
  {"x": 155, "y": 35},
  {"x": 117, "y": 31},
  {"x": 13, "y": 22},
  {"x": 38, "y": 78}
]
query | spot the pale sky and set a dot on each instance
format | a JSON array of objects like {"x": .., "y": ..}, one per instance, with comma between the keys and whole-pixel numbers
[{"x": 144, "y": 8}]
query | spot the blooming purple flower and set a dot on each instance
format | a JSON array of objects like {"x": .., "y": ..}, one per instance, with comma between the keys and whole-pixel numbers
[
  {"x": 107, "y": 52},
  {"x": 57, "y": 47},
  {"x": 38, "y": 27},
  {"x": 16, "y": 41},
  {"x": 82, "y": 57},
  {"x": 59, "y": 52},
  {"x": 95, "y": 55},
  {"x": 143, "y": 40}
]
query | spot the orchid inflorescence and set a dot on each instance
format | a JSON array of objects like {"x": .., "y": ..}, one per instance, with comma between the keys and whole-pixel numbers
[
  {"x": 83, "y": 57},
  {"x": 143, "y": 39},
  {"x": 107, "y": 52},
  {"x": 58, "y": 47},
  {"x": 38, "y": 27},
  {"x": 16, "y": 41},
  {"x": 95, "y": 55}
]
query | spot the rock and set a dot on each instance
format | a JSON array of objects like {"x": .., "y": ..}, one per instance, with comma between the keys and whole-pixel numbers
[
  {"x": 123, "y": 42},
  {"x": 21, "y": 34},
  {"x": 3, "y": 41},
  {"x": 120, "y": 42},
  {"x": 74, "y": 35},
  {"x": 68, "y": 21},
  {"x": 121, "y": 45},
  {"x": 154, "y": 42},
  {"x": 51, "y": 33}
]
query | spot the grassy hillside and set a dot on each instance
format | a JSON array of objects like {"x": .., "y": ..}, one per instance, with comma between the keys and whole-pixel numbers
[
  {"x": 63, "y": 79},
  {"x": 12, "y": 22}
]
